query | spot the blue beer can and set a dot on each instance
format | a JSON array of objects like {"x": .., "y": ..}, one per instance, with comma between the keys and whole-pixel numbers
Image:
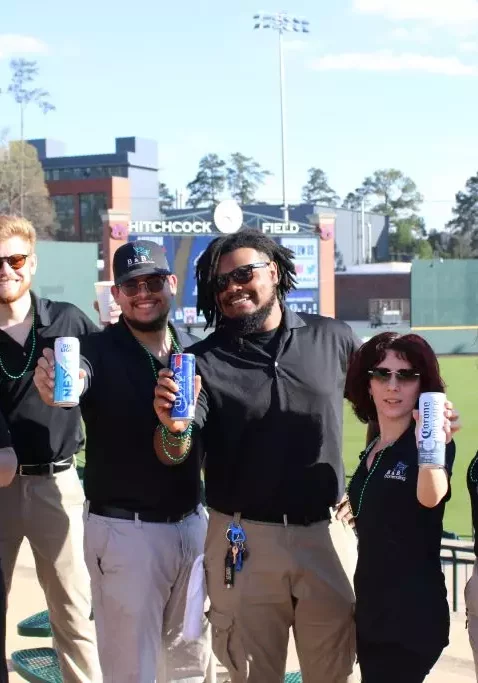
[
  {"x": 67, "y": 371},
  {"x": 183, "y": 366}
]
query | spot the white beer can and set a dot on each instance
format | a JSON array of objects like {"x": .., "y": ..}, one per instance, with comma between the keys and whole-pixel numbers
[
  {"x": 432, "y": 437},
  {"x": 67, "y": 371}
]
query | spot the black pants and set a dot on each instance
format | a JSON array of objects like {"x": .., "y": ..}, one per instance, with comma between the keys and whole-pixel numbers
[
  {"x": 3, "y": 630},
  {"x": 393, "y": 663}
]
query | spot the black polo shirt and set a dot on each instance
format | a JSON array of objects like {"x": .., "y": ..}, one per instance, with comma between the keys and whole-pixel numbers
[
  {"x": 122, "y": 469},
  {"x": 40, "y": 434},
  {"x": 472, "y": 483},
  {"x": 399, "y": 584},
  {"x": 271, "y": 417}
]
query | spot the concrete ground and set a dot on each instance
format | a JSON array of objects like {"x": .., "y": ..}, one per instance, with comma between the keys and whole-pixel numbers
[{"x": 26, "y": 598}]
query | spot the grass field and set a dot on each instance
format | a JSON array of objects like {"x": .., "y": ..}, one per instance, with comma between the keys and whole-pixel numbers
[{"x": 461, "y": 376}]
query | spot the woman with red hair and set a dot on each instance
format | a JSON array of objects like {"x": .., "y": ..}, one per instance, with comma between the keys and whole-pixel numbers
[{"x": 397, "y": 507}]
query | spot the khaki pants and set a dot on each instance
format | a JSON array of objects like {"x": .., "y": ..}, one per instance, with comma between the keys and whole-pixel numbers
[
  {"x": 48, "y": 512},
  {"x": 471, "y": 600},
  {"x": 139, "y": 577},
  {"x": 294, "y": 576}
]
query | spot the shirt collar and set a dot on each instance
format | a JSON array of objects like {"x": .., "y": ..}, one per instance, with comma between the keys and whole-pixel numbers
[
  {"x": 41, "y": 308},
  {"x": 291, "y": 320}
]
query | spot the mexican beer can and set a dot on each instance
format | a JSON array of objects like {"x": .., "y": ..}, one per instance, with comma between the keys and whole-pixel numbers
[
  {"x": 67, "y": 370},
  {"x": 431, "y": 437},
  {"x": 183, "y": 366}
]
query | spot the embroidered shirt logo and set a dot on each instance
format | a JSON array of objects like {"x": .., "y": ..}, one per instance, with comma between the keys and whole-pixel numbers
[{"x": 397, "y": 473}]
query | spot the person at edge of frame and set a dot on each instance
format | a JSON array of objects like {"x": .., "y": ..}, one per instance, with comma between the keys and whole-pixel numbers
[
  {"x": 44, "y": 502},
  {"x": 471, "y": 588},
  {"x": 8, "y": 468}
]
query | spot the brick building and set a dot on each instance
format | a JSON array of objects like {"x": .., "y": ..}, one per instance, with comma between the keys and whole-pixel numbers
[
  {"x": 81, "y": 187},
  {"x": 363, "y": 291}
]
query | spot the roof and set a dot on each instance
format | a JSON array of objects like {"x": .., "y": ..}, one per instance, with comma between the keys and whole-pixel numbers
[{"x": 392, "y": 268}]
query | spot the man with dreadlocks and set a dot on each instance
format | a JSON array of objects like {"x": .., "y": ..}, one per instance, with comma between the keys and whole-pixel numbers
[{"x": 270, "y": 416}]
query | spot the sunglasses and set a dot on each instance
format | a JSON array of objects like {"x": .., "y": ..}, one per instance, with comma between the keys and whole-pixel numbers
[
  {"x": 15, "y": 261},
  {"x": 402, "y": 375},
  {"x": 152, "y": 285},
  {"x": 241, "y": 276}
]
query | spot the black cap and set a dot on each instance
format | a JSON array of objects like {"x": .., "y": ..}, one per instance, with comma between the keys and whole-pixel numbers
[{"x": 142, "y": 257}]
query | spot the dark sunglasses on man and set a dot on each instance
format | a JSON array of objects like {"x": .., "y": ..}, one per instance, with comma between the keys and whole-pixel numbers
[
  {"x": 403, "y": 375},
  {"x": 152, "y": 284},
  {"x": 15, "y": 261},
  {"x": 240, "y": 275}
]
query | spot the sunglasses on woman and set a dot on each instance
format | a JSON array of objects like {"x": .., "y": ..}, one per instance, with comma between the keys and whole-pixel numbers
[
  {"x": 402, "y": 375},
  {"x": 240, "y": 275},
  {"x": 15, "y": 261},
  {"x": 152, "y": 285}
]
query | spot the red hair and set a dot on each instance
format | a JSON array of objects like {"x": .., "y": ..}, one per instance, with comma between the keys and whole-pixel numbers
[{"x": 411, "y": 347}]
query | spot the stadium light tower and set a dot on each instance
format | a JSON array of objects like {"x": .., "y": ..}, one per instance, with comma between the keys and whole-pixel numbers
[{"x": 282, "y": 22}]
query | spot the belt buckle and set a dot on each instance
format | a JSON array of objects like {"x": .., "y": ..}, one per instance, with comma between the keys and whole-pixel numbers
[{"x": 21, "y": 473}]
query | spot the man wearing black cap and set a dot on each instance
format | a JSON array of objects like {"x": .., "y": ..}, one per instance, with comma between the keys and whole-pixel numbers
[{"x": 144, "y": 524}]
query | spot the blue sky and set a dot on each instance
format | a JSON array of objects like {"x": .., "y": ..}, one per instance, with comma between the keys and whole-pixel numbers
[{"x": 376, "y": 83}]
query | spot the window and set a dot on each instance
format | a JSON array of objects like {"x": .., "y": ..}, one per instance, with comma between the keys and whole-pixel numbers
[
  {"x": 377, "y": 307},
  {"x": 91, "y": 223},
  {"x": 65, "y": 216},
  {"x": 79, "y": 173}
]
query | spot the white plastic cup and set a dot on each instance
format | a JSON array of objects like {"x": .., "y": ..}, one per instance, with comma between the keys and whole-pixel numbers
[{"x": 105, "y": 299}]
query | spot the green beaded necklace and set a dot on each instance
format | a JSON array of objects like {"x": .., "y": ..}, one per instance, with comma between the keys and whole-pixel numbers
[
  {"x": 30, "y": 357},
  {"x": 473, "y": 477},
  {"x": 174, "y": 346},
  {"x": 165, "y": 435},
  {"x": 376, "y": 463}
]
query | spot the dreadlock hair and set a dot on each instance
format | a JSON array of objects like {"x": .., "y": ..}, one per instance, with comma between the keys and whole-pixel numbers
[{"x": 208, "y": 263}]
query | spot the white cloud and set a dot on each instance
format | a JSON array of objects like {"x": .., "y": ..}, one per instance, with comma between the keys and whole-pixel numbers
[
  {"x": 15, "y": 44},
  {"x": 468, "y": 46},
  {"x": 387, "y": 61},
  {"x": 439, "y": 11}
]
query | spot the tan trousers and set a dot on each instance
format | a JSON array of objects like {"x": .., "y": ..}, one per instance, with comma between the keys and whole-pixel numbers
[
  {"x": 471, "y": 600},
  {"x": 294, "y": 576},
  {"x": 139, "y": 577},
  {"x": 48, "y": 512}
]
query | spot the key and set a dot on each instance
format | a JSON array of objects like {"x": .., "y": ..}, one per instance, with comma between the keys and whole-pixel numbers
[
  {"x": 235, "y": 553},
  {"x": 239, "y": 558},
  {"x": 229, "y": 569}
]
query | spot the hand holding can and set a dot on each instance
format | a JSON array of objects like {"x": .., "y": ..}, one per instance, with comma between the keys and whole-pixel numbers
[
  {"x": 45, "y": 377},
  {"x": 173, "y": 410}
]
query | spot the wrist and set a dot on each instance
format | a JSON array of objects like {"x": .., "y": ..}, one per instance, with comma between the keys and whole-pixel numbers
[
  {"x": 180, "y": 442},
  {"x": 175, "y": 431}
]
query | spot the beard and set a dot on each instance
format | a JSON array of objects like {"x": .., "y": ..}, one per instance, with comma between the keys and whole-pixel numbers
[
  {"x": 11, "y": 298},
  {"x": 159, "y": 323},
  {"x": 251, "y": 322}
]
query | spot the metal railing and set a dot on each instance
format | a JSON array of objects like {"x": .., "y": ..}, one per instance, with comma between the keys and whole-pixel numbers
[{"x": 457, "y": 560}]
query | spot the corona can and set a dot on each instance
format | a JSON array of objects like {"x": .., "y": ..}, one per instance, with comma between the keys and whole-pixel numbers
[{"x": 432, "y": 437}]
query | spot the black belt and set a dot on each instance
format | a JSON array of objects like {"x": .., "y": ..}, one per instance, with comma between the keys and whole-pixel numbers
[
  {"x": 45, "y": 469},
  {"x": 285, "y": 519},
  {"x": 148, "y": 516}
]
